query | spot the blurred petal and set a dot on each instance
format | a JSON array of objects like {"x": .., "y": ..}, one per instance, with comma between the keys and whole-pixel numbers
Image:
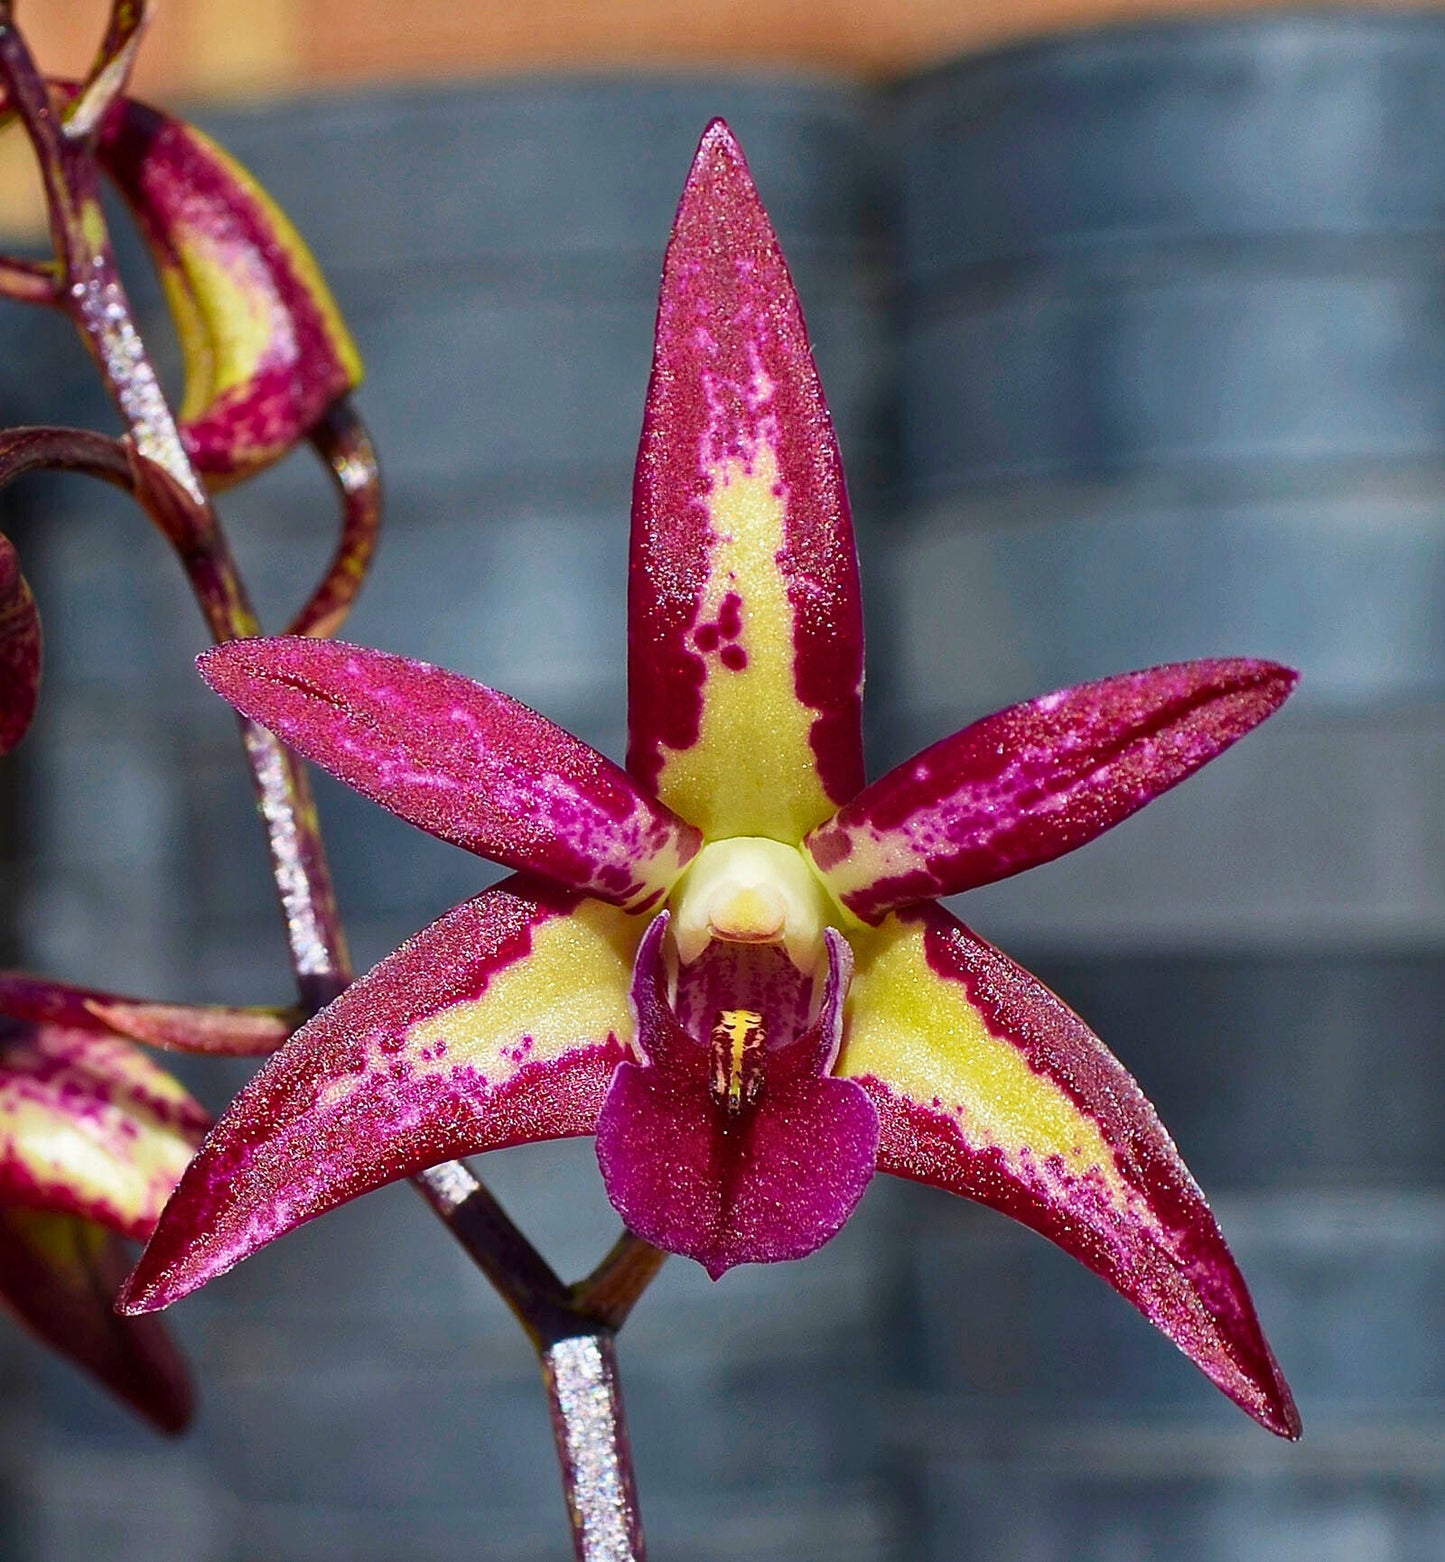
[
  {"x": 987, "y": 1085},
  {"x": 113, "y": 63},
  {"x": 175, "y": 1027},
  {"x": 265, "y": 348},
  {"x": 90, "y": 1126},
  {"x": 19, "y": 650},
  {"x": 1032, "y": 782},
  {"x": 499, "y": 1024},
  {"x": 745, "y": 637},
  {"x": 461, "y": 762},
  {"x": 59, "y": 1276},
  {"x": 774, "y": 1180}
]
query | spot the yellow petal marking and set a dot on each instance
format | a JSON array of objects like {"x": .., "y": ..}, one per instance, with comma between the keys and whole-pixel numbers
[
  {"x": 570, "y": 992},
  {"x": 917, "y": 1032},
  {"x": 752, "y": 770},
  {"x": 113, "y": 1152},
  {"x": 231, "y": 314}
]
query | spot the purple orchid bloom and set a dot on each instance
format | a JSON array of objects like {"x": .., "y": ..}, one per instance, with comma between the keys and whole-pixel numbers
[{"x": 726, "y": 961}]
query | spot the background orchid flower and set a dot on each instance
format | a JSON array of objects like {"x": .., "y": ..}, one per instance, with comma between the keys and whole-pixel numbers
[
  {"x": 726, "y": 961},
  {"x": 93, "y": 1137},
  {"x": 266, "y": 351}
]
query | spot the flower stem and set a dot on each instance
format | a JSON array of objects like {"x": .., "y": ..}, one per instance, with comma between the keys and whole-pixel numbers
[{"x": 585, "y": 1396}]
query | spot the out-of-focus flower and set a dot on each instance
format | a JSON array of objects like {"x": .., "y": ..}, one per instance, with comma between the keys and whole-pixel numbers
[
  {"x": 93, "y": 1137},
  {"x": 265, "y": 348},
  {"x": 801, "y": 1011}
]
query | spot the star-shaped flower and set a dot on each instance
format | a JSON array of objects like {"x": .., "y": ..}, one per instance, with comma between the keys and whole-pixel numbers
[{"x": 727, "y": 960}]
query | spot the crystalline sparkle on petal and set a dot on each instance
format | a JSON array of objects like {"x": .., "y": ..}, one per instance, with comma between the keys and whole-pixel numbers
[
  {"x": 1032, "y": 782},
  {"x": 460, "y": 761},
  {"x": 988, "y": 1085}
]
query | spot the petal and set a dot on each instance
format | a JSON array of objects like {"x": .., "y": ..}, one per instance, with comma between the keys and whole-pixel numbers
[
  {"x": 175, "y": 1027},
  {"x": 19, "y": 650},
  {"x": 460, "y": 761},
  {"x": 58, "y": 1275},
  {"x": 265, "y": 348},
  {"x": 775, "y": 1182},
  {"x": 987, "y": 1085},
  {"x": 499, "y": 1024},
  {"x": 745, "y": 633},
  {"x": 111, "y": 70},
  {"x": 1032, "y": 782},
  {"x": 90, "y": 1126}
]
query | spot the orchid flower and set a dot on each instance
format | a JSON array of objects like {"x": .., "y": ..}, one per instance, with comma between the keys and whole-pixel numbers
[
  {"x": 93, "y": 1138},
  {"x": 727, "y": 960}
]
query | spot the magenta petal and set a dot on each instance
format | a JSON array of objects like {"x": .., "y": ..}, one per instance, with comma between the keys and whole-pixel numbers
[
  {"x": 777, "y": 1181},
  {"x": 1032, "y": 782},
  {"x": 460, "y": 761},
  {"x": 988, "y": 1085},
  {"x": 748, "y": 611},
  {"x": 19, "y": 650},
  {"x": 481, "y": 1032},
  {"x": 59, "y": 1275}
]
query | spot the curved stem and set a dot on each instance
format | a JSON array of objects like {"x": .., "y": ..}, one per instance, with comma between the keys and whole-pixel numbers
[{"x": 342, "y": 441}]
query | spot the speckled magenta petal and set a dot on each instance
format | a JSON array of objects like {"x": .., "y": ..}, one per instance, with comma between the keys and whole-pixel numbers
[
  {"x": 774, "y": 1182},
  {"x": 1032, "y": 782},
  {"x": 499, "y": 1024},
  {"x": 745, "y": 633},
  {"x": 175, "y": 1027},
  {"x": 986, "y": 1084},
  {"x": 58, "y": 1277},
  {"x": 90, "y": 1126},
  {"x": 266, "y": 351},
  {"x": 19, "y": 650},
  {"x": 461, "y": 762}
]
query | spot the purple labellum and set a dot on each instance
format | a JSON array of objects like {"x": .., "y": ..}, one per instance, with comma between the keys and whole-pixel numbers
[
  {"x": 462, "y": 762},
  {"x": 19, "y": 650},
  {"x": 724, "y": 1148}
]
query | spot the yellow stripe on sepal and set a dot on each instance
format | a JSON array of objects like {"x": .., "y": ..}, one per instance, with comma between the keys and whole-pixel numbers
[{"x": 752, "y": 770}]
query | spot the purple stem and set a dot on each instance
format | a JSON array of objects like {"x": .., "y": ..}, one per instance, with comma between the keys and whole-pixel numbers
[{"x": 575, "y": 1346}]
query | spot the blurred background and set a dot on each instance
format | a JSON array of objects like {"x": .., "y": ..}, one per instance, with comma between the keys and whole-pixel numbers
[{"x": 1135, "y": 337}]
